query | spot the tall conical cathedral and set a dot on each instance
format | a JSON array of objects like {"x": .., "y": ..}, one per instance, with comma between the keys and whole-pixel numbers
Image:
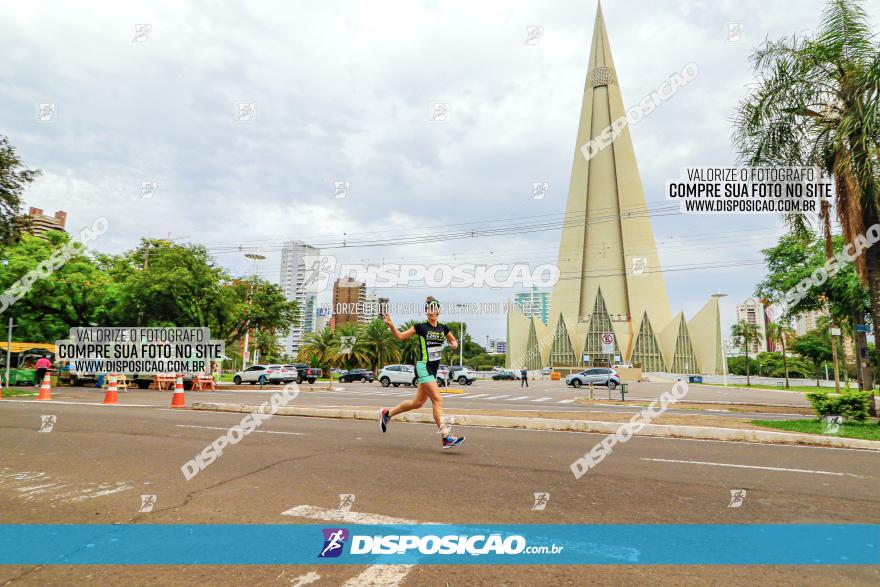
[{"x": 610, "y": 304}]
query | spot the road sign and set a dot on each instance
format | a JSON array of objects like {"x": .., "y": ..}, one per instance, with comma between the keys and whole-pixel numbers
[
  {"x": 835, "y": 332},
  {"x": 861, "y": 328},
  {"x": 607, "y": 340}
]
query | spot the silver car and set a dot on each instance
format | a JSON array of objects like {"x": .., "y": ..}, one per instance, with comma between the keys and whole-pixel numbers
[{"x": 596, "y": 376}]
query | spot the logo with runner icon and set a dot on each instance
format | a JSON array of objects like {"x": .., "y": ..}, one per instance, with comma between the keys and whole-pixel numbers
[{"x": 334, "y": 541}]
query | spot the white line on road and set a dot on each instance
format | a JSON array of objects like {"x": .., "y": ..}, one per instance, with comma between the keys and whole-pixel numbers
[
  {"x": 499, "y": 396},
  {"x": 566, "y": 401},
  {"x": 542, "y": 399},
  {"x": 513, "y": 399},
  {"x": 375, "y": 575},
  {"x": 754, "y": 467},
  {"x": 479, "y": 395},
  {"x": 261, "y": 431},
  {"x": 380, "y": 576},
  {"x": 316, "y": 513}
]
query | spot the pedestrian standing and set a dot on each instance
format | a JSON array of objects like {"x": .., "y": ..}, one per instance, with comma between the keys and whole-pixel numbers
[
  {"x": 43, "y": 365},
  {"x": 524, "y": 378}
]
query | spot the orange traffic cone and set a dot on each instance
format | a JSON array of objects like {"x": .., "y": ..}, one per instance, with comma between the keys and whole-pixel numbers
[
  {"x": 45, "y": 388},
  {"x": 111, "y": 397},
  {"x": 177, "y": 400}
]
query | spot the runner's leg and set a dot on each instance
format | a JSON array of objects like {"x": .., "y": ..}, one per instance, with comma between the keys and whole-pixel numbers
[{"x": 411, "y": 404}]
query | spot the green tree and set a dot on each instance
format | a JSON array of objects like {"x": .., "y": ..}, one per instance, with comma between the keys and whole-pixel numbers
[
  {"x": 166, "y": 284},
  {"x": 745, "y": 334},
  {"x": 816, "y": 104},
  {"x": 780, "y": 332},
  {"x": 379, "y": 345},
  {"x": 73, "y": 295},
  {"x": 14, "y": 177},
  {"x": 815, "y": 346},
  {"x": 322, "y": 347}
]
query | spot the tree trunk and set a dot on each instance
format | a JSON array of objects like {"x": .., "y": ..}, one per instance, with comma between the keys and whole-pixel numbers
[
  {"x": 748, "y": 372},
  {"x": 784, "y": 359},
  {"x": 872, "y": 261}
]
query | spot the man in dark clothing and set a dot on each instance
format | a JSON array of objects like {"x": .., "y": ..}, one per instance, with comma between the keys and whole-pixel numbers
[{"x": 524, "y": 378}]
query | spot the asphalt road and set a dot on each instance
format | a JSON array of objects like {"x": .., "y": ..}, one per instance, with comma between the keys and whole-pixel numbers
[{"x": 98, "y": 460}]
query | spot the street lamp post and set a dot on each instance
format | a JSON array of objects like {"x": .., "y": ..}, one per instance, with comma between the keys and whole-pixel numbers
[{"x": 255, "y": 257}]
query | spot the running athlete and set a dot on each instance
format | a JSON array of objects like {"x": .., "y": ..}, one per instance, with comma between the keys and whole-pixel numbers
[{"x": 431, "y": 335}]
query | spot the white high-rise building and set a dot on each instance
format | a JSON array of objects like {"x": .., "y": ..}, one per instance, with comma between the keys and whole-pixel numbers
[
  {"x": 292, "y": 273},
  {"x": 752, "y": 311}
]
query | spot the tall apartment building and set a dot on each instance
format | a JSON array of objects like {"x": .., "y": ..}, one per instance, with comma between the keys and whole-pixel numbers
[
  {"x": 534, "y": 303},
  {"x": 291, "y": 281},
  {"x": 753, "y": 312},
  {"x": 40, "y": 223},
  {"x": 807, "y": 321},
  {"x": 373, "y": 307},
  {"x": 496, "y": 346},
  {"x": 349, "y": 295}
]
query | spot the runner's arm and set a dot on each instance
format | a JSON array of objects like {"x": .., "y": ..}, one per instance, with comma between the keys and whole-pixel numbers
[
  {"x": 450, "y": 338},
  {"x": 397, "y": 334}
]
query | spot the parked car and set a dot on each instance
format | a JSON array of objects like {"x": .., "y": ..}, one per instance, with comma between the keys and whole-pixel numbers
[
  {"x": 463, "y": 375},
  {"x": 307, "y": 373},
  {"x": 546, "y": 370},
  {"x": 397, "y": 375},
  {"x": 362, "y": 375},
  {"x": 255, "y": 374},
  {"x": 505, "y": 375},
  {"x": 596, "y": 376}
]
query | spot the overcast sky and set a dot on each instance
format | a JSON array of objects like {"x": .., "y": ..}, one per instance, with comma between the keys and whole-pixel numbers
[{"x": 343, "y": 91}]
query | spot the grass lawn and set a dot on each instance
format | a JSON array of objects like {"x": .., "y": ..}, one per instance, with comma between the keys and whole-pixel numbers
[
  {"x": 869, "y": 430},
  {"x": 20, "y": 391},
  {"x": 800, "y": 388}
]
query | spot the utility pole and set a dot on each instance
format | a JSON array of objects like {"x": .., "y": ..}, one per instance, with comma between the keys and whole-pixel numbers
[
  {"x": 8, "y": 349},
  {"x": 835, "y": 332}
]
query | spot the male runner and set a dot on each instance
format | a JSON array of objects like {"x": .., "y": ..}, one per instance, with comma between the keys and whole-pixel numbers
[{"x": 431, "y": 336}]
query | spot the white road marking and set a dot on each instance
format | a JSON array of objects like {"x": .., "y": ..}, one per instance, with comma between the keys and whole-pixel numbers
[
  {"x": 513, "y": 399},
  {"x": 479, "y": 395},
  {"x": 306, "y": 579},
  {"x": 380, "y": 576},
  {"x": 316, "y": 513},
  {"x": 782, "y": 469},
  {"x": 566, "y": 401},
  {"x": 255, "y": 430},
  {"x": 499, "y": 396},
  {"x": 375, "y": 575},
  {"x": 542, "y": 399}
]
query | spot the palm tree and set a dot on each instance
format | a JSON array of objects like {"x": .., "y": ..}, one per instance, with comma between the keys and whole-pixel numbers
[
  {"x": 746, "y": 333},
  {"x": 323, "y": 347},
  {"x": 816, "y": 104},
  {"x": 409, "y": 348},
  {"x": 378, "y": 345},
  {"x": 779, "y": 332},
  {"x": 351, "y": 351}
]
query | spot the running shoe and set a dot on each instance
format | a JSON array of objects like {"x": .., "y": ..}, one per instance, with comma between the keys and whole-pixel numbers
[
  {"x": 384, "y": 418},
  {"x": 452, "y": 442}
]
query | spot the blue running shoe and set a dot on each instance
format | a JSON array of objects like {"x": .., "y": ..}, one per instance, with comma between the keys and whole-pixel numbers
[
  {"x": 384, "y": 418},
  {"x": 452, "y": 442}
]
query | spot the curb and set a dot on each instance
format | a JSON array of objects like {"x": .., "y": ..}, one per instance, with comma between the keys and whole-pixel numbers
[{"x": 553, "y": 425}]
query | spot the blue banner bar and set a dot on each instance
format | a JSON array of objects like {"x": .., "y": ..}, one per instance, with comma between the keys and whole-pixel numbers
[{"x": 486, "y": 544}]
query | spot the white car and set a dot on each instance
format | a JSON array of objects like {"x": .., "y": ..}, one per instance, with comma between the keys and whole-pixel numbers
[
  {"x": 265, "y": 374},
  {"x": 397, "y": 375},
  {"x": 463, "y": 375}
]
